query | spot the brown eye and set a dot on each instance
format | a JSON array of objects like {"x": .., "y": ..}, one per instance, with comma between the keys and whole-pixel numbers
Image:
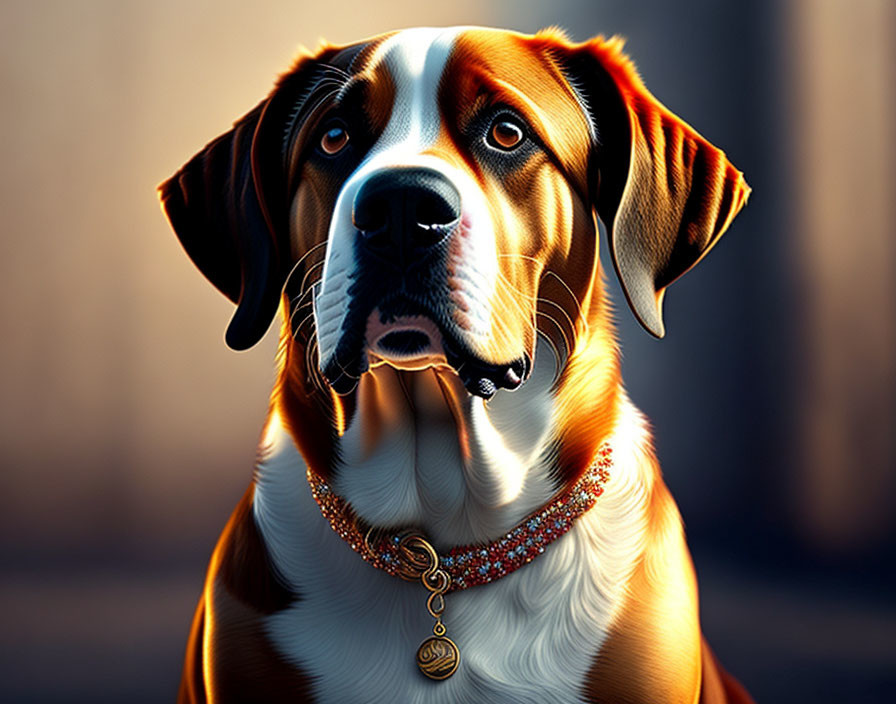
[
  {"x": 334, "y": 140},
  {"x": 505, "y": 134}
]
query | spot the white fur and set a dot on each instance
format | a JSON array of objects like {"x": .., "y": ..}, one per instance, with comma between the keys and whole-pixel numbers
[
  {"x": 529, "y": 637},
  {"x": 417, "y": 474}
]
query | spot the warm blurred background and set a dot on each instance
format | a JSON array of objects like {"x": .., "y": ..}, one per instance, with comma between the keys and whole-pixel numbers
[{"x": 127, "y": 428}]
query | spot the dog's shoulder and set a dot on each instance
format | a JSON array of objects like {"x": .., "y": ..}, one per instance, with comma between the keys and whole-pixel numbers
[{"x": 228, "y": 630}]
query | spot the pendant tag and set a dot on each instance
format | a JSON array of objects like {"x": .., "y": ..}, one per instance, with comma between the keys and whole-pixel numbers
[{"x": 438, "y": 657}]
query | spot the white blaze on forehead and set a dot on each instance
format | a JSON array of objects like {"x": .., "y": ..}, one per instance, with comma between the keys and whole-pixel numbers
[{"x": 415, "y": 60}]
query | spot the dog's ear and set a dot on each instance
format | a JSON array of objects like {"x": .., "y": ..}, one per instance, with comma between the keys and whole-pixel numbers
[
  {"x": 664, "y": 193},
  {"x": 215, "y": 210},
  {"x": 229, "y": 203}
]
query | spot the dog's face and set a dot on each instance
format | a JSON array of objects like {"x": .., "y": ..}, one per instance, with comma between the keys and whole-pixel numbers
[
  {"x": 455, "y": 166},
  {"x": 428, "y": 198}
]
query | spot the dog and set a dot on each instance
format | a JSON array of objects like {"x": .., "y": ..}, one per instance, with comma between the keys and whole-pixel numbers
[{"x": 454, "y": 501}]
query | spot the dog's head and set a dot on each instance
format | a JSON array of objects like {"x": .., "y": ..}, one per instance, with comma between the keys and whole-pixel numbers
[{"x": 428, "y": 197}]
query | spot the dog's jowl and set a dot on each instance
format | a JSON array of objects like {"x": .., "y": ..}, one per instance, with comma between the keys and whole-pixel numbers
[{"x": 455, "y": 501}]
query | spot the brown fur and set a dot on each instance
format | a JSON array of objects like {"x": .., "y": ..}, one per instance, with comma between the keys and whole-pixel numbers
[
  {"x": 242, "y": 665},
  {"x": 665, "y": 194}
]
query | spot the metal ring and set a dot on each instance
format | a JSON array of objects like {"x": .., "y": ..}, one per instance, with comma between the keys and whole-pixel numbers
[{"x": 435, "y": 611}]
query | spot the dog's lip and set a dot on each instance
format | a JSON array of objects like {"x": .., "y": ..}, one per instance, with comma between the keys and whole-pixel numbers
[
  {"x": 482, "y": 378},
  {"x": 425, "y": 349},
  {"x": 415, "y": 342}
]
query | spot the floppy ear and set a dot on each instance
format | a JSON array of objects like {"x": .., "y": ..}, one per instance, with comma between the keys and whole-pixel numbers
[
  {"x": 229, "y": 204},
  {"x": 664, "y": 193}
]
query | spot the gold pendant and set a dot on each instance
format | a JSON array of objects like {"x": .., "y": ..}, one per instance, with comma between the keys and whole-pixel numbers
[{"x": 438, "y": 657}]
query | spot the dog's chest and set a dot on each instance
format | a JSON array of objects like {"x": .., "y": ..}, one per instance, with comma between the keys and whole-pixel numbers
[
  {"x": 529, "y": 637},
  {"x": 357, "y": 634}
]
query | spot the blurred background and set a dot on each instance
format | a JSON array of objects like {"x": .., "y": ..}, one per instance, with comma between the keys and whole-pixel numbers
[{"x": 127, "y": 428}]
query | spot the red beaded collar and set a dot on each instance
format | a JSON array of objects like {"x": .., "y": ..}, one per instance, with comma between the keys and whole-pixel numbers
[{"x": 469, "y": 565}]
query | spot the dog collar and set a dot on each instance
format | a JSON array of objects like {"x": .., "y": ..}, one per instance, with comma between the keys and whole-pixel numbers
[
  {"x": 408, "y": 555},
  {"x": 468, "y": 565}
]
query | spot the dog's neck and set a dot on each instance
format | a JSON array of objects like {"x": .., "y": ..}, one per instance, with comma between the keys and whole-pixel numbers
[
  {"x": 420, "y": 451},
  {"x": 415, "y": 449}
]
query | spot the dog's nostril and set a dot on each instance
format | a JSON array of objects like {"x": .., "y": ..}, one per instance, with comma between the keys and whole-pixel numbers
[
  {"x": 371, "y": 215},
  {"x": 435, "y": 210}
]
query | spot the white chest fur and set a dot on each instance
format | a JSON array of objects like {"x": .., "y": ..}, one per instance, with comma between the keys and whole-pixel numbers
[{"x": 529, "y": 637}]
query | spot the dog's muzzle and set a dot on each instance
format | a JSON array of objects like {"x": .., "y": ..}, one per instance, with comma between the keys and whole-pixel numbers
[{"x": 398, "y": 307}]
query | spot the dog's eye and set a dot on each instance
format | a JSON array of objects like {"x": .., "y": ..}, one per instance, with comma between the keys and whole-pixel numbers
[
  {"x": 334, "y": 140},
  {"x": 505, "y": 133}
]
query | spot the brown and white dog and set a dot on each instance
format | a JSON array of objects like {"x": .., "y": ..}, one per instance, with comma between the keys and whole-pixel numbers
[{"x": 422, "y": 207}]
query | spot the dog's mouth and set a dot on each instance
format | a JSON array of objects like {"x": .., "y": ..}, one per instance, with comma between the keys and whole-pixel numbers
[
  {"x": 404, "y": 344},
  {"x": 407, "y": 341},
  {"x": 406, "y": 335}
]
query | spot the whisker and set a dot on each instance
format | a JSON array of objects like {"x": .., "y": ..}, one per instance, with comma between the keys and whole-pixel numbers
[
  {"x": 509, "y": 255},
  {"x": 567, "y": 343},
  {"x": 571, "y": 295},
  {"x": 304, "y": 287},
  {"x": 514, "y": 304},
  {"x": 560, "y": 280},
  {"x": 303, "y": 257},
  {"x": 305, "y": 320},
  {"x": 298, "y": 305},
  {"x": 298, "y": 301},
  {"x": 549, "y": 302},
  {"x": 311, "y": 269},
  {"x": 313, "y": 369}
]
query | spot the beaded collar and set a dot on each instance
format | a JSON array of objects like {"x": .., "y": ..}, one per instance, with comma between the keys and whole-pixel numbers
[{"x": 470, "y": 565}]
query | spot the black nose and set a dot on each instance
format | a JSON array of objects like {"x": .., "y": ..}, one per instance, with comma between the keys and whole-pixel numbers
[{"x": 404, "y": 211}]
